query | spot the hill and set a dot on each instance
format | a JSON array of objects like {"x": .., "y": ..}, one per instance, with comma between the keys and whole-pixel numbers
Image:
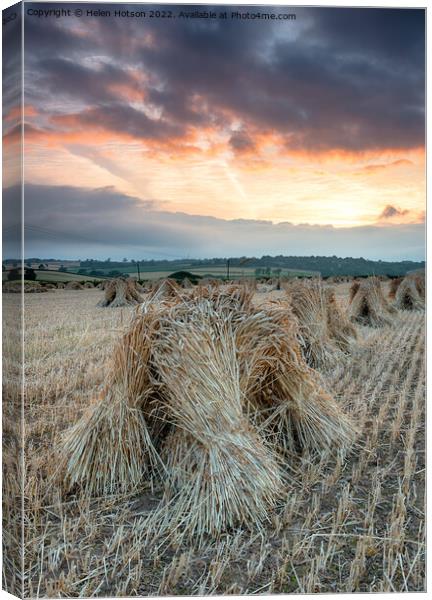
[{"x": 235, "y": 267}]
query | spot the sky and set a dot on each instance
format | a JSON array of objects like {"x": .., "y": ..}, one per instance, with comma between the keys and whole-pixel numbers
[{"x": 191, "y": 137}]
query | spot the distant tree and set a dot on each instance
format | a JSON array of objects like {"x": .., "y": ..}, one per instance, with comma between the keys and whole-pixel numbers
[
  {"x": 125, "y": 260},
  {"x": 13, "y": 275},
  {"x": 41, "y": 267},
  {"x": 30, "y": 274},
  {"x": 180, "y": 275},
  {"x": 62, "y": 269}
]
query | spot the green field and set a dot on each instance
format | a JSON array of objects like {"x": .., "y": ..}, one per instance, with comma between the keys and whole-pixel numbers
[
  {"x": 59, "y": 276},
  {"x": 158, "y": 273},
  {"x": 217, "y": 271}
]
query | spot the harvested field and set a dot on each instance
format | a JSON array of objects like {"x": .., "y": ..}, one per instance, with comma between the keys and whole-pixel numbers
[{"x": 349, "y": 519}]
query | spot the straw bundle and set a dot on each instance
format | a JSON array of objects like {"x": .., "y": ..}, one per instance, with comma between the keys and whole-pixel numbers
[
  {"x": 60, "y": 286},
  {"x": 394, "y": 284},
  {"x": 34, "y": 288},
  {"x": 208, "y": 392},
  {"x": 186, "y": 284},
  {"x": 407, "y": 295},
  {"x": 369, "y": 307},
  {"x": 283, "y": 396},
  {"x": 250, "y": 283},
  {"x": 224, "y": 299},
  {"x": 114, "y": 444},
  {"x": 74, "y": 285},
  {"x": 165, "y": 289},
  {"x": 218, "y": 465},
  {"x": 16, "y": 287},
  {"x": 420, "y": 283},
  {"x": 309, "y": 305},
  {"x": 209, "y": 282},
  {"x": 120, "y": 292},
  {"x": 237, "y": 297},
  {"x": 353, "y": 290},
  {"x": 12, "y": 287},
  {"x": 88, "y": 285},
  {"x": 340, "y": 329}
]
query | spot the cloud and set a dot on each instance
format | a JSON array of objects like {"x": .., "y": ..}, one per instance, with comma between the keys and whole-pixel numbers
[
  {"x": 372, "y": 169},
  {"x": 391, "y": 211},
  {"x": 334, "y": 79},
  {"x": 120, "y": 119},
  {"x": 73, "y": 222},
  {"x": 11, "y": 67},
  {"x": 241, "y": 141}
]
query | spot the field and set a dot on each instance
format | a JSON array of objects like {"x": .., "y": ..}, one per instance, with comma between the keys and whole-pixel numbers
[
  {"x": 347, "y": 523},
  {"x": 157, "y": 273},
  {"x": 218, "y": 271},
  {"x": 54, "y": 276}
]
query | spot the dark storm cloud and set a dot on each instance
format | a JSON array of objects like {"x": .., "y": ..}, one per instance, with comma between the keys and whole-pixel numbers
[
  {"x": 391, "y": 211},
  {"x": 72, "y": 222},
  {"x": 241, "y": 140},
  {"x": 398, "y": 38},
  {"x": 65, "y": 76},
  {"x": 11, "y": 60},
  {"x": 122, "y": 119},
  {"x": 353, "y": 79}
]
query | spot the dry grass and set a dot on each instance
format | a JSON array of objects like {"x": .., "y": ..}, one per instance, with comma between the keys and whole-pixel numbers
[{"x": 350, "y": 522}]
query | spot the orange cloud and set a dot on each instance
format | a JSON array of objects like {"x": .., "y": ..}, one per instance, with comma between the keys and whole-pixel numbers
[
  {"x": 371, "y": 169},
  {"x": 395, "y": 215},
  {"x": 16, "y": 112}
]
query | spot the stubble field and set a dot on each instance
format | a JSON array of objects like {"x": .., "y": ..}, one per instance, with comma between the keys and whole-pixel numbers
[{"x": 348, "y": 522}]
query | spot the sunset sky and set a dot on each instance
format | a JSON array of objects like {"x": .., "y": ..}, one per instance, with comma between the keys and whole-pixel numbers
[{"x": 193, "y": 137}]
